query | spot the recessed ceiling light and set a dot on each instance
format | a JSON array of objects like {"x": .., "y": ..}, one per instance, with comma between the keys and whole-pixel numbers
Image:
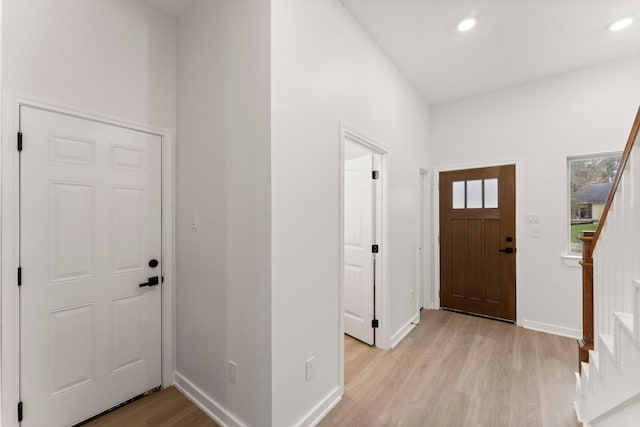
[
  {"x": 467, "y": 24},
  {"x": 621, "y": 24}
]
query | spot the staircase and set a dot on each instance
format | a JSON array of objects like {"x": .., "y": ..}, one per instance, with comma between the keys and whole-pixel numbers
[{"x": 608, "y": 385}]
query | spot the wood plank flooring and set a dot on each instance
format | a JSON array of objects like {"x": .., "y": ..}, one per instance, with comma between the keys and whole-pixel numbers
[
  {"x": 164, "y": 408},
  {"x": 459, "y": 370},
  {"x": 451, "y": 370}
]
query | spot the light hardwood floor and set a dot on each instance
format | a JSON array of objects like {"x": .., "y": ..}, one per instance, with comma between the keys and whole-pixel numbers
[
  {"x": 451, "y": 370},
  {"x": 164, "y": 408},
  {"x": 459, "y": 370}
]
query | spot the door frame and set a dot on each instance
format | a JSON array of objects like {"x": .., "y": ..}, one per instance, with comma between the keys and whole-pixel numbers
[
  {"x": 424, "y": 272},
  {"x": 381, "y": 231},
  {"x": 520, "y": 232},
  {"x": 9, "y": 230}
]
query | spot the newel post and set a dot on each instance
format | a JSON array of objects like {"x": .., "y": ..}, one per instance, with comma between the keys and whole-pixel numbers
[{"x": 586, "y": 342}]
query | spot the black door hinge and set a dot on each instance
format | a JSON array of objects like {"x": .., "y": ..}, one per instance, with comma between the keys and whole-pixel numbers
[
  {"x": 19, "y": 411},
  {"x": 19, "y": 276},
  {"x": 19, "y": 141},
  {"x": 375, "y": 175},
  {"x": 374, "y": 323},
  {"x": 374, "y": 249}
]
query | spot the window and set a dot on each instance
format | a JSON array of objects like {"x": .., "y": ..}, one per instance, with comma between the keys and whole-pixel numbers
[
  {"x": 590, "y": 179},
  {"x": 475, "y": 194}
]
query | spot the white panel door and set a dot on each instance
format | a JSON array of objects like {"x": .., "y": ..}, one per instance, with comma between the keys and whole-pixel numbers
[
  {"x": 90, "y": 225},
  {"x": 358, "y": 238}
]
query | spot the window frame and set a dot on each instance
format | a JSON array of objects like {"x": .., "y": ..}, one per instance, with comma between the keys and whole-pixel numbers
[
  {"x": 483, "y": 194},
  {"x": 569, "y": 251}
]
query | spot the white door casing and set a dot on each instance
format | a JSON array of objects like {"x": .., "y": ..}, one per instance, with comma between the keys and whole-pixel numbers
[
  {"x": 425, "y": 269},
  {"x": 421, "y": 231},
  {"x": 358, "y": 240},
  {"x": 90, "y": 223}
]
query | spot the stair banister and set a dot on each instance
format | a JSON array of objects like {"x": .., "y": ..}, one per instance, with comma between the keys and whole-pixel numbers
[
  {"x": 586, "y": 342},
  {"x": 616, "y": 181},
  {"x": 589, "y": 241}
]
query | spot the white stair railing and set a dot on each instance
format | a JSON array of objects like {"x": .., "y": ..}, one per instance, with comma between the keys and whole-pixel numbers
[{"x": 610, "y": 378}]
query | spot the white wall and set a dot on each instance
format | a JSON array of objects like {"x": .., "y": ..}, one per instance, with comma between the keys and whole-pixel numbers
[
  {"x": 326, "y": 70},
  {"x": 541, "y": 123},
  {"x": 115, "y": 57},
  {"x": 223, "y": 164}
]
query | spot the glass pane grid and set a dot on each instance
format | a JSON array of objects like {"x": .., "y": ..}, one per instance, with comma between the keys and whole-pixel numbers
[
  {"x": 475, "y": 194},
  {"x": 590, "y": 180}
]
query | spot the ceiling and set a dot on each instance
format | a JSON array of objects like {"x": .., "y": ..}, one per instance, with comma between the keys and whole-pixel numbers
[{"x": 514, "y": 41}]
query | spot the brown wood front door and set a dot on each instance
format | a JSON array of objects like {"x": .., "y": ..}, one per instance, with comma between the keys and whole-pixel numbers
[{"x": 478, "y": 241}]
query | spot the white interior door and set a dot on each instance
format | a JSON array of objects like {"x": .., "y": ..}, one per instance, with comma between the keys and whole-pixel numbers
[
  {"x": 358, "y": 239},
  {"x": 90, "y": 226}
]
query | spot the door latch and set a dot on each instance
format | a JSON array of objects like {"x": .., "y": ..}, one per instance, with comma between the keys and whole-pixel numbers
[{"x": 153, "y": 281}]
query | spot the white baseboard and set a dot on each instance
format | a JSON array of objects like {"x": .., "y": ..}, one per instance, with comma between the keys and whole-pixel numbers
[
  {"x": 321, "y": 410},
  {"x": 552, "y": 329},
  {"x": 577, "y": 411},
  {"x": 212, "y": 408},
  {"x": 398, "y": 336}
]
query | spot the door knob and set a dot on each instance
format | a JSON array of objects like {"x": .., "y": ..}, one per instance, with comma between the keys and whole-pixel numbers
[
  {"x": 506, "y": 250},
  {"x": 153, "y": 281}
]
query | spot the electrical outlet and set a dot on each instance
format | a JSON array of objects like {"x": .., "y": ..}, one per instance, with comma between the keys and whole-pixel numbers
[
  {"x": 233, "y": 372},
  {"x": 310, "y": 368}
]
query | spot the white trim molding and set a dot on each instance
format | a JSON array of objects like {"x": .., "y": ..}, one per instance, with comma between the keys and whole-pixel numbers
[
  {"x": 404, "y": 330},
  {"x": 9, "y": 233},
  {"x": 313, "y": 417},
  {"x": 210, "y": 407},
  {"x": 9, "y": 359},
  {"x": 424, "y": 267},
  {"x": 572, "y": 260},
  {"x": 347, "y": 133},
  {"x": 551, "y": 329}
]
